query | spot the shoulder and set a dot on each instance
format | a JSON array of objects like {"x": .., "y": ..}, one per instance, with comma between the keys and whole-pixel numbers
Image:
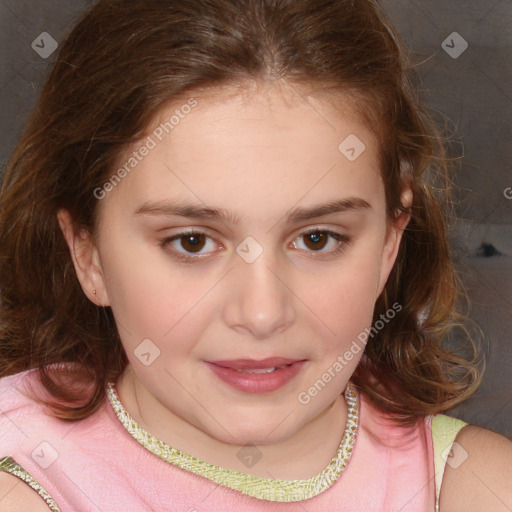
[
  {"x": 478, "y": 476},
  {"x": 13, "y": 388},
  {"x": 18, "y": 496},
  {"x": 15, "y": 400},
  {"x": 16, "y": 407}
]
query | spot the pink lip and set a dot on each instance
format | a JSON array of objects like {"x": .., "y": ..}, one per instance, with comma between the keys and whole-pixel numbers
[
  {"x": 227, "y": 371},
  {"x": 252, "y": 364}
]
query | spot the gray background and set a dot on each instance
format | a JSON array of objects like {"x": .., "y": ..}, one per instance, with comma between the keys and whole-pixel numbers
[{"x": 473, "y": 97}]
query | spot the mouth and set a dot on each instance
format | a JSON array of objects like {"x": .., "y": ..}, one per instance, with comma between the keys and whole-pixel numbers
[
  {"x": 254, "y": 366},
  {"x": 262, "y": 370},
  {"x": 257, "y": 376}
]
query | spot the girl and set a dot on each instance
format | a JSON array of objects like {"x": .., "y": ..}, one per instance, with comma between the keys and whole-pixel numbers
[{"x": 225, "y": 279}]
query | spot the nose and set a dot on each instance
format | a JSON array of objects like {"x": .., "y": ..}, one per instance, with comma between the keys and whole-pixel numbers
[{"x": 261, "y": 301}]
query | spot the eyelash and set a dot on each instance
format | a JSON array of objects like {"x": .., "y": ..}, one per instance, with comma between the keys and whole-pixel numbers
[{"x": 343, "y": 240}]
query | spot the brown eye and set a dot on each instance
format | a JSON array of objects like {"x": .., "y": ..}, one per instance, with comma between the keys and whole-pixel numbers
[
  {"x": 316, "y": 240},
  {"x": 193, "y": 242},
  {"x": 187, "y": 246}
]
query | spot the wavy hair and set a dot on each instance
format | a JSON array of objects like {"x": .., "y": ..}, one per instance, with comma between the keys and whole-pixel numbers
[{"x": 119, "y": 66}]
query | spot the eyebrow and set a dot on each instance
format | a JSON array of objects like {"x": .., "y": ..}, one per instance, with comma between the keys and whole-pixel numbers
[{"x": 194, "y": 211}]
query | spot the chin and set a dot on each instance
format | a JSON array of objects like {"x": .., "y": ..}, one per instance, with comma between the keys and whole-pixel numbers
[
  {"x": 259, "y": 433},
  {"x": 254, "y": 438}
]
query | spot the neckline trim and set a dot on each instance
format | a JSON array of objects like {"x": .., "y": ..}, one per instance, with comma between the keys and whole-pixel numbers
[{"x": 256, "y": 487}]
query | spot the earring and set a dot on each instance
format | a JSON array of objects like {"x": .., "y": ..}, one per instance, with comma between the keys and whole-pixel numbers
[{"x": 94, "y": 291}]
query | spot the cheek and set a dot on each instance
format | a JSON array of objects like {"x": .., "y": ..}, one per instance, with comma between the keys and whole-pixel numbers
[
  {"x": 149, "y": 294},
  {"x": 154, "y": 298},
  {"x": 344, "y": 303}
]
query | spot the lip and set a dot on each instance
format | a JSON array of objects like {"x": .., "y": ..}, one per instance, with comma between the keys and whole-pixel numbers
[
  {"x": 253, "y": 364},
  {"x": 228, "y": 372}
]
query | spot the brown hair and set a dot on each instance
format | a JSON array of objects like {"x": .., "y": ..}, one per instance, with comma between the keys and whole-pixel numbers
[{"x": 124, "y": 61}]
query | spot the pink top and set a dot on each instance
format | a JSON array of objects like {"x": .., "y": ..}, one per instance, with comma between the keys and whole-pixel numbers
[{"x": 96, "y": 464}]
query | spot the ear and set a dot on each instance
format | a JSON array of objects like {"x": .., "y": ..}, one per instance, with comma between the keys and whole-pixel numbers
[
  {"x": 394, "y": 232},
  {"x": 86, "y": 260}
]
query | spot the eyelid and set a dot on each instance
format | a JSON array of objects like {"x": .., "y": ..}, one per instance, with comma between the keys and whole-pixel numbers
[
  {"x": 184, "y": 257},
  {"x": 343, "y": 239}
]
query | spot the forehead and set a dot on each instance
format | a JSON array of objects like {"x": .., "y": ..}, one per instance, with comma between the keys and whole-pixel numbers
[
  {"x": 268, "y": 143},
  {"x": 274, "y": 106}
]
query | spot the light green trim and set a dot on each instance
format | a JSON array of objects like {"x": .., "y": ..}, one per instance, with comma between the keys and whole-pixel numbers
[
  {"x": 261, "y": 488},
  {"x": 444, "y": 431},
  {"x": 9, "y": 465}
]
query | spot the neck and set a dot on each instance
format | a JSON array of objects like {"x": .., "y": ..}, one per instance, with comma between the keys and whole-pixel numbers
[{"x": 300, "y": 456}]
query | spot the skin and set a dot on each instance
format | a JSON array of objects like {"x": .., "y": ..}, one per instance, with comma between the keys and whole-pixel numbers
[
  {"x": 483, "y": 482},
  {"x": 258, "y": 155}
]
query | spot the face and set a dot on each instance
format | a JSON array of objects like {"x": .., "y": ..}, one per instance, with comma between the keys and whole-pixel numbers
[{"x": 233, "y": 287}]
